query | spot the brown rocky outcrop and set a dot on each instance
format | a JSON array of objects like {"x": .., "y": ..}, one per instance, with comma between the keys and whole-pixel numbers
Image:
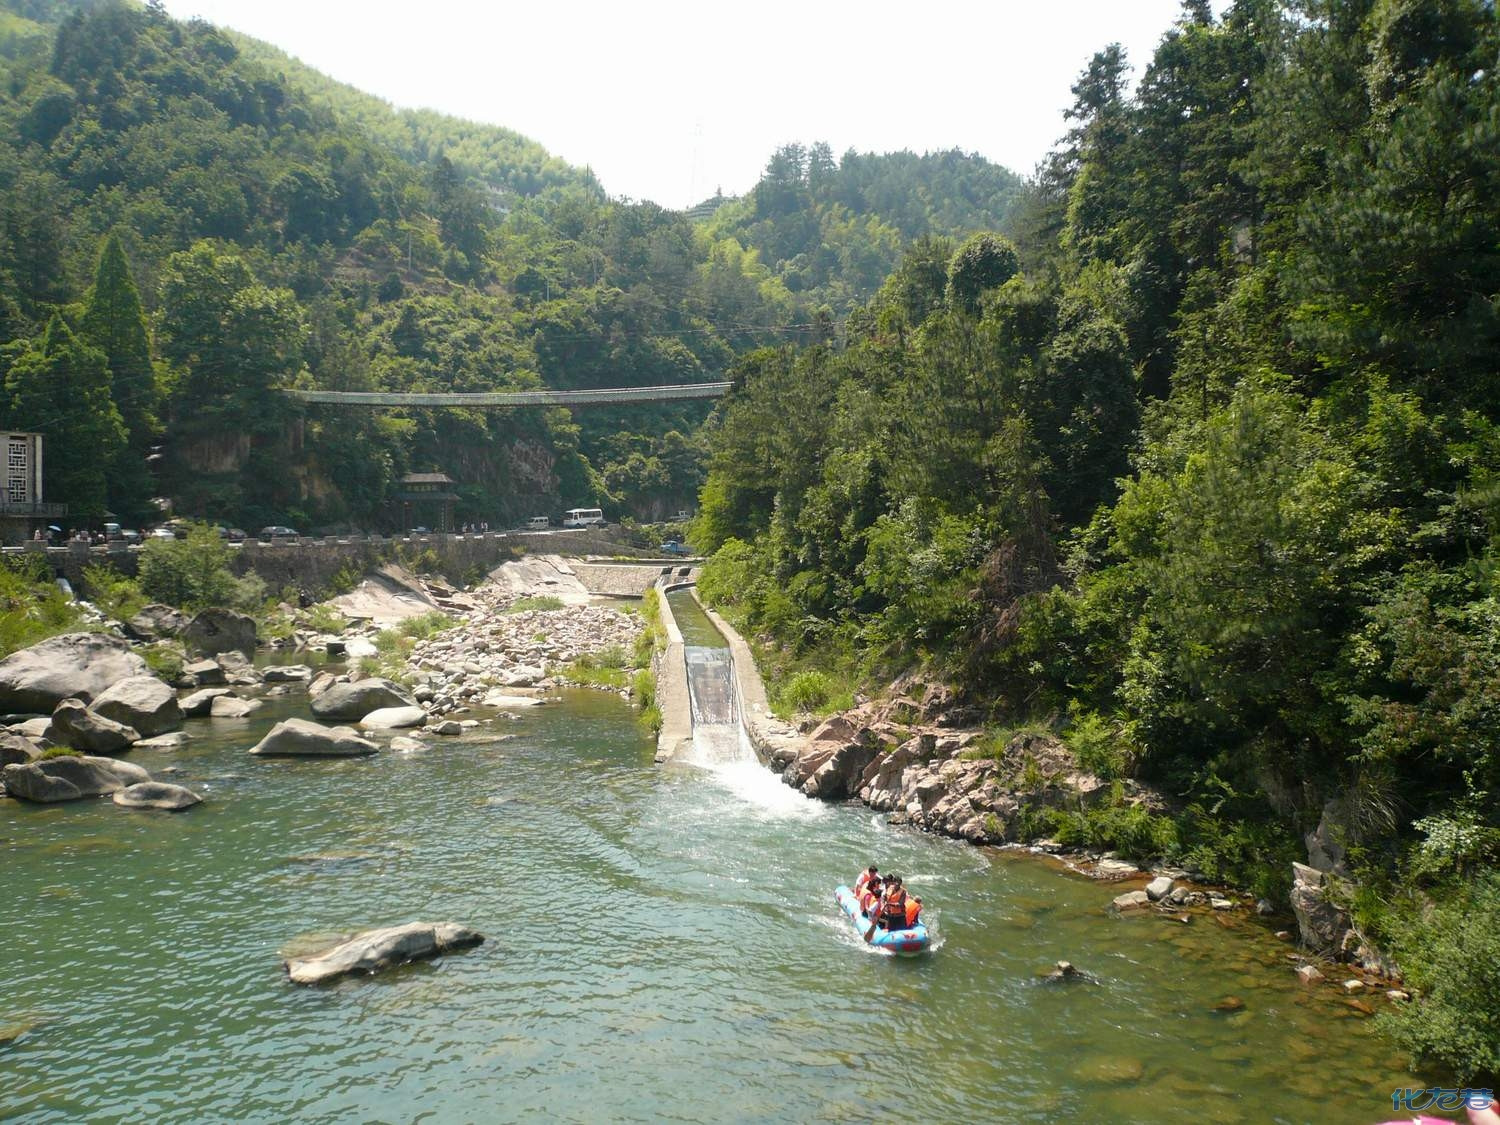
[{"x": 34, "y": 680}]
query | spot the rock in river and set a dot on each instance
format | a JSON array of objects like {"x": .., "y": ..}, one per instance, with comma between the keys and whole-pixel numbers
[
  {"x": 70, "y": 778},
  {"x": 142, "y": 702},
  {"x": 36, "y": 679},
  {"x": 394, "y": 718},
  {"x": 220, "y": 630},
  {"x": 300, "y": 738},
  {"x": 232, "y": 707},
  {"x": 374, "y": 950},
  {"x": 75, "y": 724},
  {"x": 157, "y": 795},
  {"x": 356, "y": 700}
]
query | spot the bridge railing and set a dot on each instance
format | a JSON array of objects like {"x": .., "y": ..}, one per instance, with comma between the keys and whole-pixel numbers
[{"x": 578, "y": 397}]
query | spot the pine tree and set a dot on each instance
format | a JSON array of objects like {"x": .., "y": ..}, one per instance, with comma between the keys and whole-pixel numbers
[
  {"x": 59, "y": 387},
  {"x": 115, "y": 323}
]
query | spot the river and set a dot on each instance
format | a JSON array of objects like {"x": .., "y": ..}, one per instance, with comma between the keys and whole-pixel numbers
[{"x": 663, "y": 945}]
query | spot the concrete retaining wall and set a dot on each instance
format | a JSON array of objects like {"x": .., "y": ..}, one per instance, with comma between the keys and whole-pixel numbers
[
  {"x": 676, "y": 734},
  {"x": 767, "y": 733}
]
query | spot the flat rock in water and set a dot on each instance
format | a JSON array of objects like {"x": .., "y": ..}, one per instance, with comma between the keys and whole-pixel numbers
[
  {"x": 156, "y": 795},
  {"x": 1112, "y": 869},
  {"x": 394, "y": 718},
  {"x": 375, "y": 950},
  {"x": 1309, "y": 974},
  {"x": 1131, "y": 900},
  {"x": 288, "y": 674},
  {"x": 173, "y": 741},
  {"x": 503, "y": 702},
  {"x": 448, "y": 728},
  {"x": 301, "y": 738},
  {"x": 233, "y": 707},
  {"x": 75, "y": 725},
  {"x": 36, "y": 679},
  {"x": 141, "y": 702},
  {"x": 1111, "y": 1071},
  {"x": 403, "y": 745}
]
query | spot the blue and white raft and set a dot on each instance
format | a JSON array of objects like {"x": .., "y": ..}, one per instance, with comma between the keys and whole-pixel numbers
[{"x": 905, "y": 942}]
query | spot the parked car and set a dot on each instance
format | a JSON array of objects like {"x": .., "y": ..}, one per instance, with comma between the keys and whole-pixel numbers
[
  {"x": 538, "y": 523},
  {"x": 277, "y": 531},
  {"x": 232, "y": 534},
  {"x": 161, "y": 533},
  {"x": 673, "y": 547}
]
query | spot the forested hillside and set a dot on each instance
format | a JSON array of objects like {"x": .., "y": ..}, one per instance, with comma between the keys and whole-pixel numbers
[
  {"x": 1200, "y": 470},
  {"x": 192, "y": 223},
  {"x": 832, "y": 230}
]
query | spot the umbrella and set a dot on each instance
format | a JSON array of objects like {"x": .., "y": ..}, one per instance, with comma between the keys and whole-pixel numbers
[{"x": 53, "y": 527}]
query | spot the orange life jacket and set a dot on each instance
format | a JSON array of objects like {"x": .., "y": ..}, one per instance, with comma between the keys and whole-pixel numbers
[
  {"x": 868, "y": 902},
  {"x": 913, "y": 912},
  {"x": 893, "y": 913},
  {"x": 861, "y": 883}
]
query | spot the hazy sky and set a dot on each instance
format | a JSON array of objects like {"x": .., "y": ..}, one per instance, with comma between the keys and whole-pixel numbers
[{"x": 668, "y": 100}]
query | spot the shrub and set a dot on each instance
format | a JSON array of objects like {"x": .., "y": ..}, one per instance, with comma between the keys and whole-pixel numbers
[
  {"x": 650, "y": 718},
  {"x": 806, "y": 691},
  {"x": 1099, "y": 744},
  {"x": 1451, "y": 956},
  {"x": 193, "y": 573},
  {"x": 118, "y": 595},
  {"x": 32, "y": 608},
  {"x": 323, "y": 618},
  {"x": 165, "y": 659},
  {"x": 643, "y": 688}
]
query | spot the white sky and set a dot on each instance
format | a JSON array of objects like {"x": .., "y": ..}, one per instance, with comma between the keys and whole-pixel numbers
[{"x": 668, "y": 100}]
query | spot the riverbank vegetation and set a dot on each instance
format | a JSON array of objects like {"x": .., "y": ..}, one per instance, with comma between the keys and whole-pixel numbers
[{"x": 1199, "y": 463}]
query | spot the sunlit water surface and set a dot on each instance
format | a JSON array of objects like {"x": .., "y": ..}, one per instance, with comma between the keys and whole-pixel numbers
[{"x": 663, "y": 945}]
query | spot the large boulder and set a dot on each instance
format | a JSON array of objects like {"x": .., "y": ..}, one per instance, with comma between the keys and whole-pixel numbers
[
  {"x": 70, "y": 778},
  {"x": 300, "y": 738},
  {"x": 36, "y": 679},
  {"x": 839, "y": 775},
  {"x": 142, "y": 702},
  {"x": 374, "y": 950},
  {"x": 1322, "y": 923},
  {"x": 220, "y": 630},
  {"x": 154, "y": 622},
  {"x": 75, "y": 725},
  {"x": 156, "y": 795},
  {"x": 205, "y": 673},
  {"x": 356, "y": 700}
]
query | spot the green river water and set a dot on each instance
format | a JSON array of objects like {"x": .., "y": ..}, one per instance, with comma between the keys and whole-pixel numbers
[{"x": 663, "y": 946}]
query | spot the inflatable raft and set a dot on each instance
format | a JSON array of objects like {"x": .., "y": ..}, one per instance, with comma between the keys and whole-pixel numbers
[{"x": 909, "y": 941}]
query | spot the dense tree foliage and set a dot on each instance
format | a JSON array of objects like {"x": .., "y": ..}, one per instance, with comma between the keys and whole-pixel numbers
[{"x": 1203, "y": 469}]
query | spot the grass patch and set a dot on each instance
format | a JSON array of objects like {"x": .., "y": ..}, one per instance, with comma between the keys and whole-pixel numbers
[
  {"x": 608, "y": 668},
  {"x": 58, "y": 752},
  {"x": 394, "y": 646},
  {"x": 323, "y": 618},
  {"x": 165, "y": 659},
  {"x": 540, "y": 604},
  {"x": 118, "y": 595},
  {"x": 32, "y": 608}
]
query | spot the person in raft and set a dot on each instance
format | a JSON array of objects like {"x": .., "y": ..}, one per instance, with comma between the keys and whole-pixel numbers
[
  {"x": 869, "y": 898},
  {"x": 893, "y": 905},
  {"x": 871, "y": 872}
]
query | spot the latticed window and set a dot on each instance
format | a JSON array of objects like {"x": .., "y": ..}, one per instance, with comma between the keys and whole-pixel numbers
[
  {"x": 16, "y": 459},
  {"x": 15, "y": 490}
]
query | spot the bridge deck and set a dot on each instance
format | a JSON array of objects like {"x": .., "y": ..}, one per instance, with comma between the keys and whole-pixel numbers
[{"x": 596, "y": 395}]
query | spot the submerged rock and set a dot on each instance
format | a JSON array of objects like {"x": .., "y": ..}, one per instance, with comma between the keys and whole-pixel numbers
[
  {"x": 1065, "y": 972},
  {"x": 1131, "y": 900},
  {"x": 157, "y": 795},
  {"x": 375, "y": 950},
  {"x": 233, "y": 707},
  {"x": 201, "y": 702}
]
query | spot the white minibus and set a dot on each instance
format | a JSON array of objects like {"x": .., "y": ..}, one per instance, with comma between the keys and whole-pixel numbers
[{"x": 583, "y": 517}]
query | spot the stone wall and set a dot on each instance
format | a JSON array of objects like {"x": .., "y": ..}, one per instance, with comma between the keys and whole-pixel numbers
[{"x": 309, "y": 564}]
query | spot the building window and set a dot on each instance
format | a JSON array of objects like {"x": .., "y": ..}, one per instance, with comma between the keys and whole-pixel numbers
[
  {"x": 15, "y": 458},
  {"x": 15, "y": 490}
]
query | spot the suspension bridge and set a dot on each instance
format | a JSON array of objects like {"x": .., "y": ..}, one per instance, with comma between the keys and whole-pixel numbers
[{"x": 486, "y": 399}]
